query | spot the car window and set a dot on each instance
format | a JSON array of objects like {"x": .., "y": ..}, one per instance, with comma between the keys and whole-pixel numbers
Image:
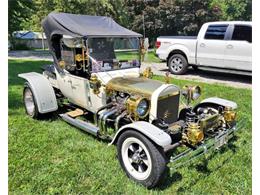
[
  {"x": 67, "y": 54},
  {"x": 242, "y": 33},
  {"x": 216, "y": 32}
]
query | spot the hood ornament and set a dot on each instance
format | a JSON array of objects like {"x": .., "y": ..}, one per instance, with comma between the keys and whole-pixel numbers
[{"x": 166, "y": 114}]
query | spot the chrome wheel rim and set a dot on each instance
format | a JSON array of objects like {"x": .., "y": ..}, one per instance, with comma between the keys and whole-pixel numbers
[
  {"x": 176, "y": 64},
  {"x": 136, "y": 158},
  {"x": 29, "y": 102}
]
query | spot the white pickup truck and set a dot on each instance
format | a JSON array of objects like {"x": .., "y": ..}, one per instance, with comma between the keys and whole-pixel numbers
[{"x": 219, "y": 46}]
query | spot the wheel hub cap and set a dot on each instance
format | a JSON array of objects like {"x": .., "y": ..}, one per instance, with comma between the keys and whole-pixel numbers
[
  {"x": 28, "y": 100},
  {"x": 136, "y": 158},
  {"x": 176, "y": 64}
]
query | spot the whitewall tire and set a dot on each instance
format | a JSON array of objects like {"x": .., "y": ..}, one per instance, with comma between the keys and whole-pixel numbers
[{"x": 141, "y": 159}]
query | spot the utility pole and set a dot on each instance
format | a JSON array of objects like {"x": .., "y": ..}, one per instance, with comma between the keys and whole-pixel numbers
[
  {"x": 43, "y": 46},
  {"x": 143, "y": 26}
]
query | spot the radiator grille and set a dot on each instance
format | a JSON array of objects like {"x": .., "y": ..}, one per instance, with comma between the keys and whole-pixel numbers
[{"x": 168, "y": 108}]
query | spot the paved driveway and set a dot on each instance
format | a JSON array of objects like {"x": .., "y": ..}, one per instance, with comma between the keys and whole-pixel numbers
[
  {"x": 239, "y": 81},
  {"x": 233, "y": 80}
]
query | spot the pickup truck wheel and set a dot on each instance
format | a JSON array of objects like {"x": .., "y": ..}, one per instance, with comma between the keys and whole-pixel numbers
[
  {"x": 142, "y": 161},
  {"x": 178, "y": 64},
  {"x": 30, "y": 104}
]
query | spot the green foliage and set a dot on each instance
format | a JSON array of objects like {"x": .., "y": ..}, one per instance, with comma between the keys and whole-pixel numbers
[
  {"x": 19, "y": 11},
  {"x": 161, "y": 17},
  {"x": 49, "y": 156},
  {"x": 169, "y": 17},
  {"x": 233, "y": 9},
  {"x": 88, "y": 7}
]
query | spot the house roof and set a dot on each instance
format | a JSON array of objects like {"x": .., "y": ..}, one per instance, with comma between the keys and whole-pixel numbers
[{"x": 28, "y": 35}]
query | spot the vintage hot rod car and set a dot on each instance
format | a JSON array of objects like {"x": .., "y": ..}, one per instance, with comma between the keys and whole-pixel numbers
[{"x": 96, "y": 78}]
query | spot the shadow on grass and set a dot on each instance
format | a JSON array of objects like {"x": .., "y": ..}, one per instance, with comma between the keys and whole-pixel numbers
[
  {"x": 169, "y": 180},
  {"x": 200, "y": 166},
  {"x": 15, "y": 99}
]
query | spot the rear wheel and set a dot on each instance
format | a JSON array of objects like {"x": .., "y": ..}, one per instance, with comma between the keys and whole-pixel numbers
[
  {"x": 142, "y": 161},
  {"x": 177, "y": 64},
  {"x": 30, "y": 104}
]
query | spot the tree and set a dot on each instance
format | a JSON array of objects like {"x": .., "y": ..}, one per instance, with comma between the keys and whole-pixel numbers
[
  {"x": 18, "y": 12},
  {"x": 160, "y": 17},
  {"x": 169, "y": 17},
  {"x": 144, "y": 14},
  {"x": 234, "y": 9},
  {"x": 113, "y": 8},
  {"x": 193, "y": 14}
]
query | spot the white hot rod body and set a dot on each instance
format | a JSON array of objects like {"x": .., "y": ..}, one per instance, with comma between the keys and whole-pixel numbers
[{"x": 95, "y": 84}]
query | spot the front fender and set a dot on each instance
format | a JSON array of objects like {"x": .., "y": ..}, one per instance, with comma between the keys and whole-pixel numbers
[
  {"x": 149, "y": 130},
  {"x": 42, "y": 90},
  {"x": 182, "y": 48},
  {"x": 217, "y": 101}
]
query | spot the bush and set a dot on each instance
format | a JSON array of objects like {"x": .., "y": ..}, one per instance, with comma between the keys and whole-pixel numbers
[{"x": 19, "y": 46}]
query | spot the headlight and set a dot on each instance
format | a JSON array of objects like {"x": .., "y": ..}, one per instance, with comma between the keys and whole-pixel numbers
[
  {"x": 191, "y": 92},
  {"x": 137, "y": 106},
  {"x": 195, "y": 92},
  {"x": 142, "y": 108}
]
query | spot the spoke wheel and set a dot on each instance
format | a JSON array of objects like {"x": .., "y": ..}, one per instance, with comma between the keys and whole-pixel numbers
[
  {"x": 140, "y": 158},
  {"x": 177, "y": 64}
]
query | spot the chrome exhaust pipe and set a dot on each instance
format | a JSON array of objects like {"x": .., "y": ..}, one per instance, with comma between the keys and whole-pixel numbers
[
  {"x": 100, "y": 109},
  {"x": 83, "y": 125},
  {"x": 105, "y": 116},
  {"x": 118, "y": 118}
]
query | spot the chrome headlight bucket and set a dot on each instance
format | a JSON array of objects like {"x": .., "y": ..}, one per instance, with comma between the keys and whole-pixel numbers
[
  {"x": 142, "y": 107},
  {"x": 137, "y": 106},
  {"x": 191, "y": 92}
]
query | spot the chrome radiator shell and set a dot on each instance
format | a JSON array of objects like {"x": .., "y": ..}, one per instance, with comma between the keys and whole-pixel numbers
[{"x": 165, "y": 103}]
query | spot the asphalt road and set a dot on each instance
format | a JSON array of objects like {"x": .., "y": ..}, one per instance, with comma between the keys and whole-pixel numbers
[
  {"x": 238, "y": 81},
  {"x": 233, "y": 80}
]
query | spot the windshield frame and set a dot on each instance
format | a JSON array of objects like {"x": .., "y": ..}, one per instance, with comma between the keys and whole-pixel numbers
[{"x": 115, "y": 50}]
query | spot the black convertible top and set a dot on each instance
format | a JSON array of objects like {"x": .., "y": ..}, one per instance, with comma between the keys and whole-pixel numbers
[{"x": 83, "y": 26}]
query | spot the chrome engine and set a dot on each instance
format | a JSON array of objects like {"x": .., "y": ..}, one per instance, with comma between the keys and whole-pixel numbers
[{"x": 191, "y": 126}]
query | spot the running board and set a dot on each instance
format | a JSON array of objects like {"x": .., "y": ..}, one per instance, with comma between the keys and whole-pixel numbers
[{"x": 85, "y": 126}]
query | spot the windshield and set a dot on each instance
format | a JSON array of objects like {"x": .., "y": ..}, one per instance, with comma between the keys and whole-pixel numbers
[{"x": 108, "y": 54}]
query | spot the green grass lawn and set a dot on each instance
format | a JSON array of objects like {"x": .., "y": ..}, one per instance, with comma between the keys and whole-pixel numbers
[
  {"x": 149, "y": 56},
  {"x": 51, "y": 157}
]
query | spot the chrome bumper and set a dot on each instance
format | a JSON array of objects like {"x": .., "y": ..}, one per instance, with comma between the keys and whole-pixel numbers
[{"x": 210, "y": 145}]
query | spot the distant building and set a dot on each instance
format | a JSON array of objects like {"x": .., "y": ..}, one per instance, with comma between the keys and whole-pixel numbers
[{"x": 33, "y": 40}]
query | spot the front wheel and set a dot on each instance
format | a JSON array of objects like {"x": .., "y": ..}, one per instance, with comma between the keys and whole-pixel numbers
[
  {"x": 142, "y": 161},
  {"x": 177, "y": 64}
]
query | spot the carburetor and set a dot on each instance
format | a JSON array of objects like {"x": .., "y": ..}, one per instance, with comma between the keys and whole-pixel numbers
[{"x": 193, "y": 134}]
